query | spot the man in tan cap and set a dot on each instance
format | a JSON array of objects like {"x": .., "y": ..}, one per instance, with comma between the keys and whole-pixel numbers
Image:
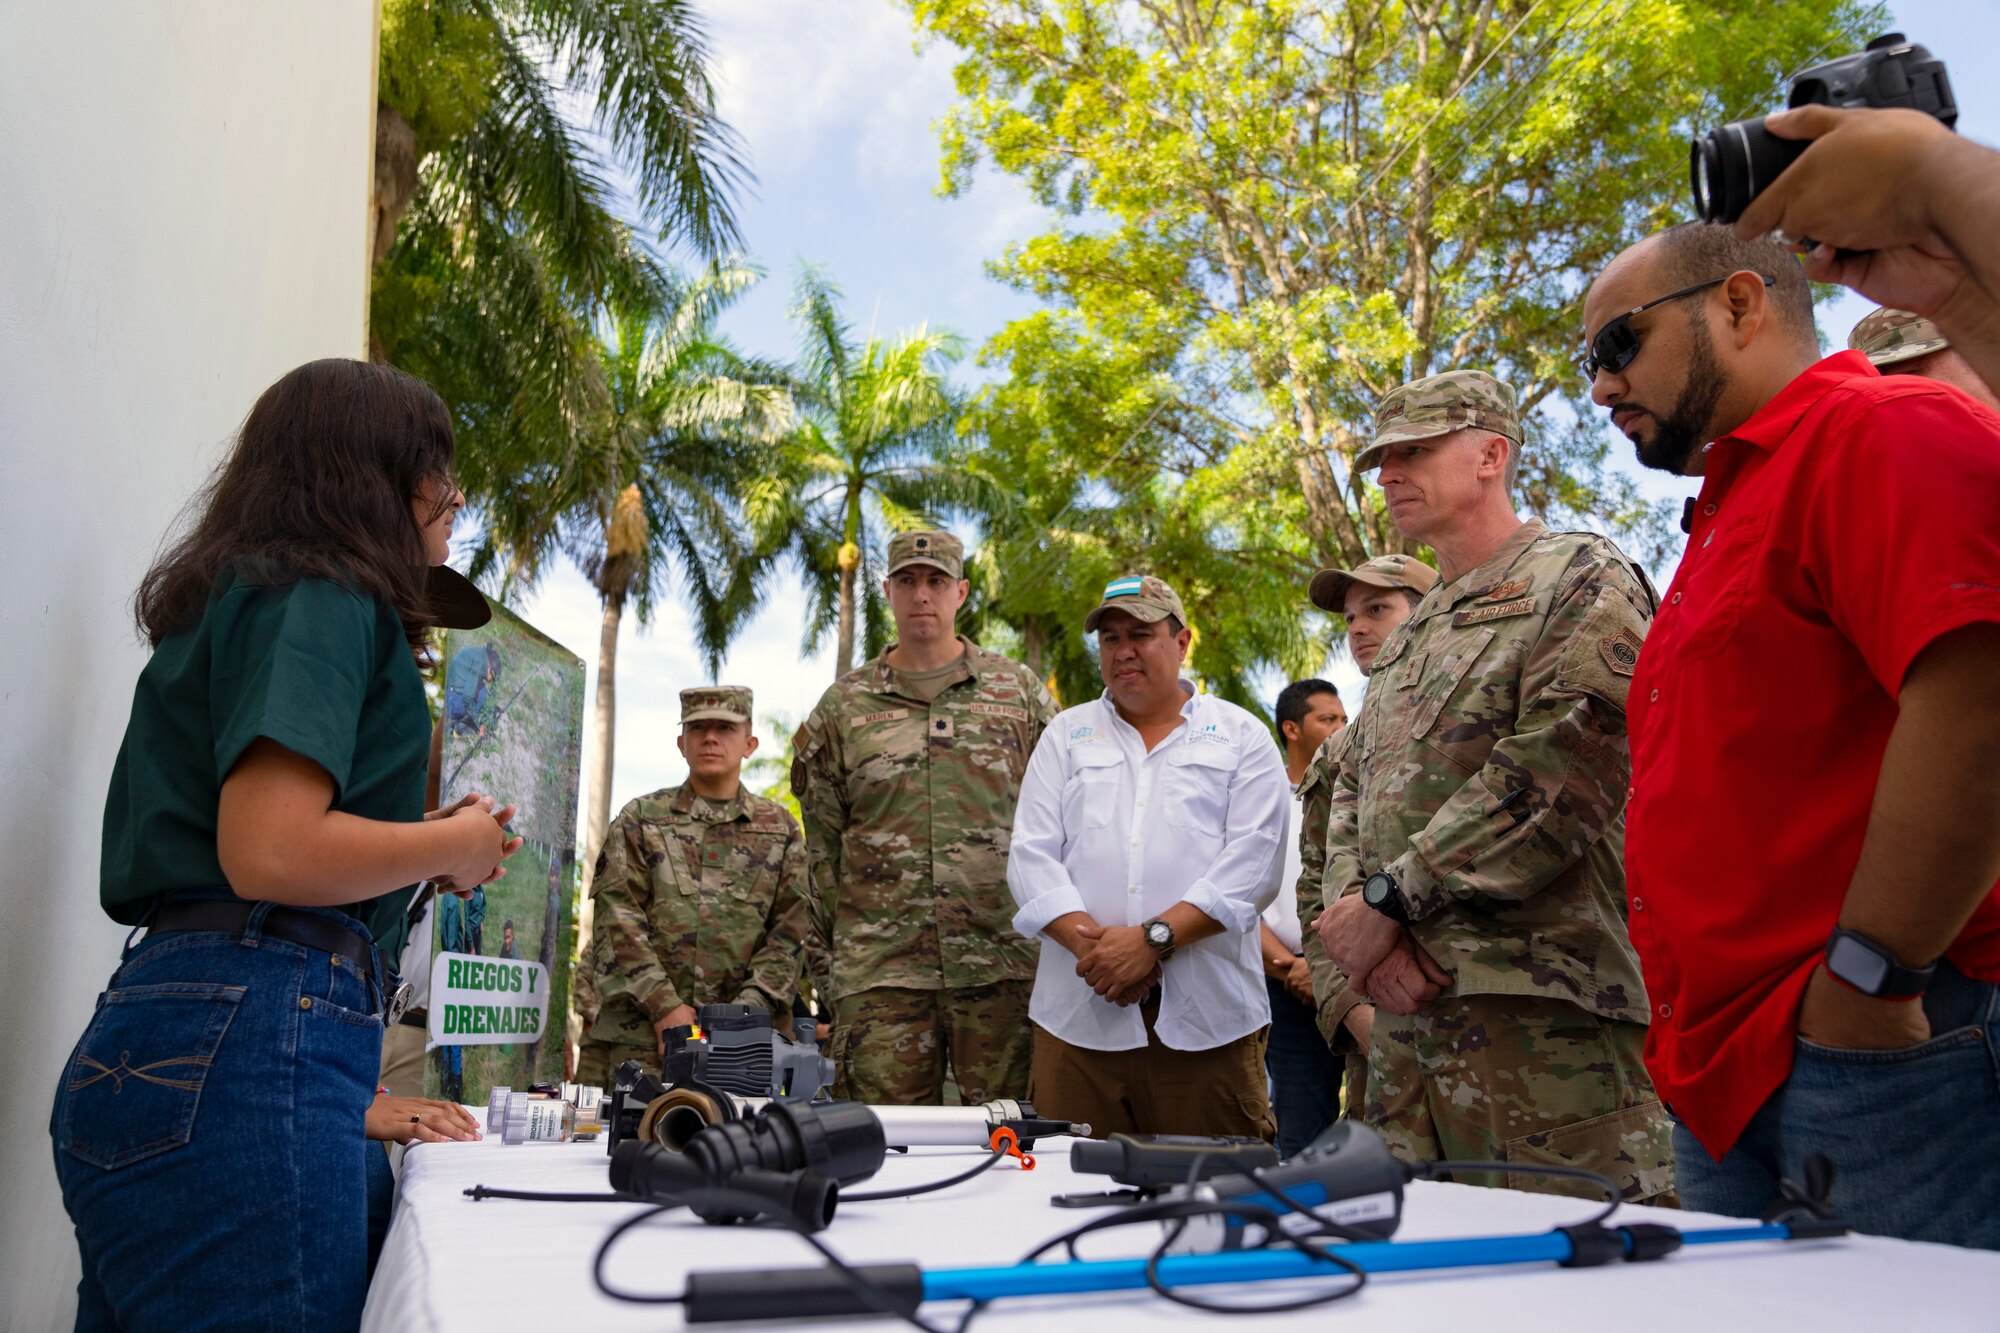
[
  {"x": 1374, "y": 598},
  {"x": 700, "y": 894},
  {"x": 1146, "y": 845},
  {"x": 906, "y": 772},
  {"x": 1897, "y": 342},
  {"x": 1473, "y": 814}
]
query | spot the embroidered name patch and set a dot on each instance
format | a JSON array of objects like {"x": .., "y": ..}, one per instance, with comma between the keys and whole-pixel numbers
[
  {"x": 998, "y": 710},
  {"x": 1479, "y": 615},
  {"x": 886, "y": 715}
]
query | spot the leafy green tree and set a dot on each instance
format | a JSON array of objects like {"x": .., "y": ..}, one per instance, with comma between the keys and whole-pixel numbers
[
  {"x": 1284, "y": 208},
  {"x": 877, "y": 428},
  {"x": 649, "y": 498}
]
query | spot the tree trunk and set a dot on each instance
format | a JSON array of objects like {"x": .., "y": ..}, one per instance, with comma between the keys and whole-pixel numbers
[
  {"x": 1032, "y": 642},
  {"x": 844, "y": 656},
  {"x": 602, "y": 726}
]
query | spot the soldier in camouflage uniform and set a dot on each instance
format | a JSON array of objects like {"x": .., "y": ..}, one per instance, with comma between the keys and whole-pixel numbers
[
  {"x": 701, "y": 897},
  {"x": 906, "y": 773},
  {"x": 1473, "y": 869},
  {"x": 1897, "y": 342},
  {"x": 1384, "y": 592}
]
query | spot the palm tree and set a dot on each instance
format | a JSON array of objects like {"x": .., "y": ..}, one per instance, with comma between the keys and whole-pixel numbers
[
  {"x": 652, "y": 494},
  {"x": 877, "y": 429},
  {"x": 497, "y": 232}
]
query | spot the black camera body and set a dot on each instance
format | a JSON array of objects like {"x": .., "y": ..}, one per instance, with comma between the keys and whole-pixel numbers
[{"x": 1730, "y": 166}]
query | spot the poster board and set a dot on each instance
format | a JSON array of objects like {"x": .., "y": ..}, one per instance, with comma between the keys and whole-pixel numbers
[{"x": 502, "y": 961}]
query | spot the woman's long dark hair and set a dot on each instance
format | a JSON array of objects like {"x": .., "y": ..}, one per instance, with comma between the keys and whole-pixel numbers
[{"x": 319, "y": 485}]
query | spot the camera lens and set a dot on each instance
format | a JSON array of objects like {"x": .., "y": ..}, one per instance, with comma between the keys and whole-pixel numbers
[{"x": 1728, "y": 167}]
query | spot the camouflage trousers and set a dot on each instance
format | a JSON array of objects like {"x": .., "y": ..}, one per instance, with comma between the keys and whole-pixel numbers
[
  {"x": 597, "y": 1060},
  {"x": 891, "y": 1047},
  {"x": 1525, "y": 1080}
]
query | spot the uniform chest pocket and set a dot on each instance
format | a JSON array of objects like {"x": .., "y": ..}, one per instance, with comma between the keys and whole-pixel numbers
[
  {"x": 1708, "y": 596},
  {"x": 1444, "y": 674},
  {"x": 668, "y": 864},
  {"x": 1197, "y": 781},
  {"x": 1090, "y": 796}
]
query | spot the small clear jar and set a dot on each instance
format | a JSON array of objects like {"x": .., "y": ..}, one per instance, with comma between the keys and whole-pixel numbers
[{"x": 538, "y": 1120}]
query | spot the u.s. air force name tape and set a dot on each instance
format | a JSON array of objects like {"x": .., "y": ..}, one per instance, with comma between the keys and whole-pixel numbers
[{"x": 487, "y": 1001}]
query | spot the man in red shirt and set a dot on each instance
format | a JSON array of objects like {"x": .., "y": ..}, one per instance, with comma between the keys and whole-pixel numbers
[{"x": 1813, "y": 833}]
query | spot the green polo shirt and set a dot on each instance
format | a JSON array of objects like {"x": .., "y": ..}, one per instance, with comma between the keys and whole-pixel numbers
[{"x": 321, "y": 670}]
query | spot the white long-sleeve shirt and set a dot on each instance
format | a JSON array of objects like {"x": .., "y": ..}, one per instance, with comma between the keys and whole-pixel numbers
[
  {"x": 1282, "y": 916},
  {"x": 1105, "y": 828}
]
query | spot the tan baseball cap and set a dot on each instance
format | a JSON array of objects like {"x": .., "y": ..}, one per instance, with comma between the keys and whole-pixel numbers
[
  {"x": 1329, "y": 587},
  {"x": 1888, "y": 336},
  {"x": 935, "y": 548},
  {"x": 727, "y": 703},
  {"x": 1140, "y": 596},
  {"x": 1439, "y": 405}
]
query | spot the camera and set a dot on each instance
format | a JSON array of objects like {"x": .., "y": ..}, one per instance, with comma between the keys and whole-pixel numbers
[{"x": 1729, "y": 167}]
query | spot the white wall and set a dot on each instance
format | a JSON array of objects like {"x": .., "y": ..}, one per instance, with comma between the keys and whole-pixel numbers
[{"x": 183, "y": 217}]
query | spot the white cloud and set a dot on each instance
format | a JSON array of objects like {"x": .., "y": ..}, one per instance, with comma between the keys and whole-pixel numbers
[{"x": 824, "y": 81}]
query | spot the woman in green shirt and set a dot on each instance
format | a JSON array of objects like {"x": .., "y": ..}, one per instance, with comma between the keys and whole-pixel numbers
[{"x": 265, "y": 810}]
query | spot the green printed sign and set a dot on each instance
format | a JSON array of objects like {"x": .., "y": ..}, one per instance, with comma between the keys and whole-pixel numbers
[{"x": 487, "y": 1001}]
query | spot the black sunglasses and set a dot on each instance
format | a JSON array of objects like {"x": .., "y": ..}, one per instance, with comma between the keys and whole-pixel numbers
[{"x": 1618, "y": 342}]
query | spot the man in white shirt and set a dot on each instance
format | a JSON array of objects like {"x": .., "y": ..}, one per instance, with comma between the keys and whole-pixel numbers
[
  {"x": 1305, "y": 1074},
  {"x": 1146, "y": 842}
]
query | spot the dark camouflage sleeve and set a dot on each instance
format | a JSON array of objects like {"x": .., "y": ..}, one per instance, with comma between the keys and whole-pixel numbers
[
  {"x": 1321, "y": 788},
  {"x": 622, "y": 890},
  {"x": 1042, "y": 706},
  {"x": 821, "y": 793},
  {"x": 1557, "y": 784},
  {"x": 773, "y": 970}
]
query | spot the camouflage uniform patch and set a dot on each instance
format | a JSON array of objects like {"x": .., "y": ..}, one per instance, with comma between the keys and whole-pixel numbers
[
  {"x": 909, "y": 810},
  {"x": 1487, "y": 771},
  {"x": 697, "y": 902}
]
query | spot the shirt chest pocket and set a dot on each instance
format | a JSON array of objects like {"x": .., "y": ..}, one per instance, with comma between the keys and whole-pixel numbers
[
  {"x": 1197, "y": 782},
  {"x": 1090, "y": 797},
  {"x": 1439, "y": 692},
  {"x": 1707, "y": 600}
]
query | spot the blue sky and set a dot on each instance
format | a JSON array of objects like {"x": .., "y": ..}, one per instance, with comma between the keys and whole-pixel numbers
[{"x": 836, "y": 105}]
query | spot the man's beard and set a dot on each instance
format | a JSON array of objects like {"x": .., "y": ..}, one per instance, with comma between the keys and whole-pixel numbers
[{"x": 1678, "y": 434}]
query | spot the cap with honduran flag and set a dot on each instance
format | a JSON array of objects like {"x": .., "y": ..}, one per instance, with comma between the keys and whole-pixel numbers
[{"x": 1140, "y": 596}]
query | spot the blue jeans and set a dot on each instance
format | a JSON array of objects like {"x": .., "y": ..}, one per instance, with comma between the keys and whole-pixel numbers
[
  {"x": 1914, "y": 1134},
  {"x": 209, "y": 1136},
  {"x": 1305, "y": 1075}
]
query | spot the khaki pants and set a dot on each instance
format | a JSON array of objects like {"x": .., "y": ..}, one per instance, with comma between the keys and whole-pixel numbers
[
  {"x": 1521, "y": 1079},
  {"x": 403, "y": 1060},
  {"x": 891, "y": 1047},
  {"x": 1155, "y": 1089}
]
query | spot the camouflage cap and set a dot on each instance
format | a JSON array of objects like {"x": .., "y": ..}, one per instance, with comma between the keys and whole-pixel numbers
[
  {"x": 936, "y": 548},
  {"x": 1888, "y": 336},
  {"x": 1439, "y": 405},
  {"x": 1140, "y": 596},
  {"x": 1328, "y": 590},
  {"x": 728, "y": 703}
]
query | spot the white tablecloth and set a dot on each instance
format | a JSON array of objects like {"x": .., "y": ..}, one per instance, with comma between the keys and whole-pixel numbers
[{"x": 451, "y": 1264}]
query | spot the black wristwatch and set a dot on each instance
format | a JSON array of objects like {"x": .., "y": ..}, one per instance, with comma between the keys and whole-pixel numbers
[
  {"x": 1161, "y": 936},
  {"x": 1382, "y": 893},
  {"x": 1872, "y": 969}
]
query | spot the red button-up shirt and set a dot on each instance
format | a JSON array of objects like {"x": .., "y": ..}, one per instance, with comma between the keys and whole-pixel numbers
[{"x": 1851, "y": 521}]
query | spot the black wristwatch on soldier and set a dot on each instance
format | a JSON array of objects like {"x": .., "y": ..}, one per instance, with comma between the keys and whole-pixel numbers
[
  {"x": 1871, "y": 967},
  {"x": 1382, "y": 893},
  {"x": 1161, "y": 936}
]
